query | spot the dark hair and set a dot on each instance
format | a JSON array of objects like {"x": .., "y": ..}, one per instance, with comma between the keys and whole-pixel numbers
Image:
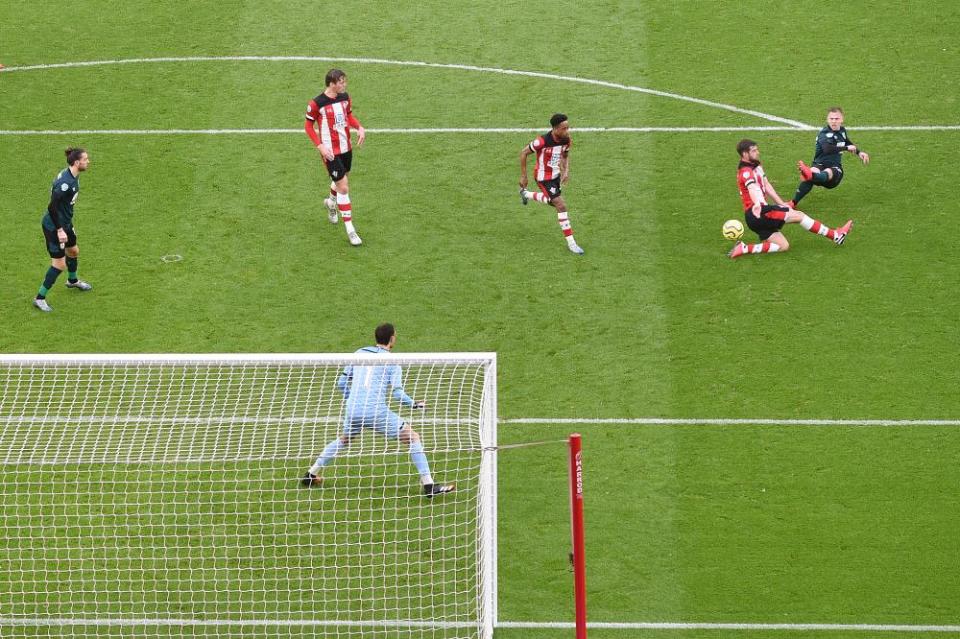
[
  {"x": 334, "y": 75},
  {"x": 383, "y": 333},
  {"x": 557, "y": 119},
  {"x": 744, "y": 145},
  {"x": 74, "y": 154},
  {"x": 835, "y": 109}
]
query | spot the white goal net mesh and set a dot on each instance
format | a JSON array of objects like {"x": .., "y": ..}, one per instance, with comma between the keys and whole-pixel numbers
[{"x": 160, "y": 496}]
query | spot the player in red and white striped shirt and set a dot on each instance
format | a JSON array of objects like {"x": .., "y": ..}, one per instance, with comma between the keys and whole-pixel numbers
[
  {"x": 765, "y": 219},
  {"x": 328, "y": 121},
  {"x": 552, "y": 169}
]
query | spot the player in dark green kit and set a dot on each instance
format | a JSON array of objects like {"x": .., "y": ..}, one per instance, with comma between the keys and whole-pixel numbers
[
  {"x": 58, "y": 231},
  {"x": 827, "y": 170}
]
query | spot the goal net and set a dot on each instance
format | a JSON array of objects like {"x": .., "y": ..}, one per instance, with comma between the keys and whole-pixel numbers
[{"x": 161, "y": 496}]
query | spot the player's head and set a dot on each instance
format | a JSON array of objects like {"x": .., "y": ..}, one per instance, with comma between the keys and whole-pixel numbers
[
  {"x": 337, "y": 78},
  {"x": 748, "y": 150},
  {"x": 386, "y": 335},
  {"x": 835, "y": 118},
  {"x": 77, "y": 158},
  {"x": 560, "y": 125}
]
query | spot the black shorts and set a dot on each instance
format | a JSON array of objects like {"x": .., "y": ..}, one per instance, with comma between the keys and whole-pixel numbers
[
  {"x": 833, "y": 182},
  {"x": 769, "y": 222},
  {"x": 550, "y": 188},
  {"x": 54, "y": 248},
  {"x": 339, "y": 166}
]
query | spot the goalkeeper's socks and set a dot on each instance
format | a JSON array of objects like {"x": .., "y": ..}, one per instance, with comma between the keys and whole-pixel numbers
[
  {"x": 329, "y": 452},
  {"x": 419, "y": 459},
  {"x": 536, "y": 196},
  {"x": 817, "y": 227}
]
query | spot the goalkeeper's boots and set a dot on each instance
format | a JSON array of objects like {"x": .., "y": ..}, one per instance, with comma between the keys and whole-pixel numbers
[
  {"x": 437, "y": 489},
  {"x": 738, "y": 249},
  {"x": 310, "y": 480},
  {"x": 575, "y": 248},
  {"x": 842, "y": 232},
  {"x": 805, "y": 171},
  {"x": 80, "y": 284},
  {"x": 42, "y": 304},
  {"x": 331, "y": 210},
  {"x": 523, "y": 196},
  {"x": 354, "y": 238}
]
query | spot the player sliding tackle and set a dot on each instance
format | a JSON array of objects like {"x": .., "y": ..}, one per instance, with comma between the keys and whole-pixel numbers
[
  {"x": 366, "y": 388},
  {"x": 766, "y": 220}
]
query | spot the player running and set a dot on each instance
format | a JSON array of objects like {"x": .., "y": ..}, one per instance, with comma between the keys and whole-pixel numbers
[
  {"x": 58, "y": 232},
  {"x": 328, "y": 121},
  {"x": 765, "y": 219},
  {"x": 826, "y": 170},
  {"x": 366, "y": 388},
  {"x": 552, "y": 169}
]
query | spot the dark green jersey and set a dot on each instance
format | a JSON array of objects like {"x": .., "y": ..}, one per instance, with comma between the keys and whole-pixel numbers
[
  {"x": 63, "y": 195},
  {"x": 830, "y": 144}
]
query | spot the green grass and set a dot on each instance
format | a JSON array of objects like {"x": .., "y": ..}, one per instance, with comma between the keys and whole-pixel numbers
[{"x": 737, "y": 524}]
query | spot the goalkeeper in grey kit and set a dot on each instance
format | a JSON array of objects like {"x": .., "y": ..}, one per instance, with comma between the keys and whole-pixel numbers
[
  {"x": 827, "y": 168},
  {"x": 366, "y": 388}
]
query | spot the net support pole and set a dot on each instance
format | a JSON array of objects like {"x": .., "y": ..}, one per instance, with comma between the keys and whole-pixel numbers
[{"x": 576, "y": 528}]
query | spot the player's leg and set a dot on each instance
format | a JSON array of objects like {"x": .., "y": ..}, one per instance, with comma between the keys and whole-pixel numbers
[
  {"x": 396, "y": 427},
  {"x": 563, "y": 219},
  {"x": 331, "y": 204},
  {"x": 57, "y": 266},
  {"x": 543, "y": 196},
  {"x": 815, "y": 226},
  {"x": 343, "y": 164},
  {"x": 350, "y": 430},
  {"x": 767, "y": 227},
  {"x": 72, "y": 258}
]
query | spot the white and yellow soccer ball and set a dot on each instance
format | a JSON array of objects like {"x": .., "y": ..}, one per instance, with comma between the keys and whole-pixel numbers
[{"x": 733, "y": 229}]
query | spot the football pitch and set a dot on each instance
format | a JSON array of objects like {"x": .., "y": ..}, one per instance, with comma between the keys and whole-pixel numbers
[{"x": 771, "y": 445}]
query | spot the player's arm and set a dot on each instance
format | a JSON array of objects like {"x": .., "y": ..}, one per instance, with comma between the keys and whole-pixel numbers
[
  {"x": 55, "y": 198},
  {"x": 343, "y": 381},
  {"x": 524, "y": 154},
  {"x": 565, "y": 167},
  {"x": 756, "y": 195},
  {"x": 396, "y": 382},
  {"x": 355, "y": 123},
  {"x": 770, "y": 191},
  {"x": 857, "y": 151}
]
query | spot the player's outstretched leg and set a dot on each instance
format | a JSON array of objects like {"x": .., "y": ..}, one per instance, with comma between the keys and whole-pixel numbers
[
  {"x": 564, "y": 221},
  {"x": 752, "y": 249},
  {"x": 805, "y": 171},
  {"x": 331, "y": 204},
  {"x": 815, "y": 226},
  {"x": 310, "y": 480},
  {"x": 523, "y": 196},
  {"x": 429, "y": 490}
]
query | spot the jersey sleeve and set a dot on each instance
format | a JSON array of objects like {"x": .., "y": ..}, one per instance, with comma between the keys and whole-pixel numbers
[
  {"x": 396, "y": 381},
  {"x": 536, "y": 144},
  {"x": 313, "y": 112}
]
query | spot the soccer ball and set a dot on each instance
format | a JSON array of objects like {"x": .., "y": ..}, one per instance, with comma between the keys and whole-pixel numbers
[{"x": 733, "y": 229}]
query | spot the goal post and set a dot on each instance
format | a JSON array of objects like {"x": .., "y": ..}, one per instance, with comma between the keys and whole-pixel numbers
[{"x": 161, "y": 496}]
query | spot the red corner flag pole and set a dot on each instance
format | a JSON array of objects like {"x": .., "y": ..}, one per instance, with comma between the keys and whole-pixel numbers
[{"x": 576, "y": 527}]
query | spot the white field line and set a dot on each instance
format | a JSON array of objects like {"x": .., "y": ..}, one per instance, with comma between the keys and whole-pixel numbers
[
  {"x": 709, "y": 421},
  {"x": 108, "y": 621},
  {"x": 653, "y": 625},
  {"x": 470, "y": 130},
  {"x": 413, "y": 63}
]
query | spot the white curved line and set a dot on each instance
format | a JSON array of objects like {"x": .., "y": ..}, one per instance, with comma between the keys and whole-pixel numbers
[{"x": 412, "y": 63}]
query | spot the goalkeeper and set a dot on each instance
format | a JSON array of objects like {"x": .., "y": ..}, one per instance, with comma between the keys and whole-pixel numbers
[{"x": 365, "y": 388}]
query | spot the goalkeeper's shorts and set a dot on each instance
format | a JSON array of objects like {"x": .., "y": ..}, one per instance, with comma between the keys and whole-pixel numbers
[{"x": 385, "y": 422}]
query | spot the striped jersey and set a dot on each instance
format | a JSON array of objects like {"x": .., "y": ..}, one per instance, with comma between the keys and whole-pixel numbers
[
  {"x": 366, "y": 387},
  {"x": 333, "y": 117},
  {"x": 549, "y": 153},
  {"x": 749, "y": 173}
]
